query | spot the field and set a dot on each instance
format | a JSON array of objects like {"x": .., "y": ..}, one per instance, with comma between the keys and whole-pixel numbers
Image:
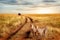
[{"x": 10, "y": 23}]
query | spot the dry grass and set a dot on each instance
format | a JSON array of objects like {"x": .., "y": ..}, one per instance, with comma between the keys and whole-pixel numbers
[{"x": 9, "y": 22}]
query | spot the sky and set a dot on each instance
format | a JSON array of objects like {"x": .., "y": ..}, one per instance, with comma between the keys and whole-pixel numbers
[{"x": 29, "y": 6}]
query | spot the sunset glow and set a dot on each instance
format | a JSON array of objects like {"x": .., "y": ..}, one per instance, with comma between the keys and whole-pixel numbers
[{"x": 45, "y": 10}]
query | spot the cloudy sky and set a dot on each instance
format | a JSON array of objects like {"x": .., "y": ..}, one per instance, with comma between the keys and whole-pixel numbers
[{"x": 30, "y": 6}]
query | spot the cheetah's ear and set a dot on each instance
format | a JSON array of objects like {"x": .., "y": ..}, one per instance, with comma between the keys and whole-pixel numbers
[
  {"x": 33, "y": 27},
  {"x": 37, "y": 27}
]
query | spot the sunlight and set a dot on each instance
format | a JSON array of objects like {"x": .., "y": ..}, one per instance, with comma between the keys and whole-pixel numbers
[{"x": 45, "y": 10}]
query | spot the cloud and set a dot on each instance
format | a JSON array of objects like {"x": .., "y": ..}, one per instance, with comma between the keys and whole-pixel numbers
[
  {"x": 8, "y": 1},
  {"x": 49, "y": 1},
  {"x": 27, "y": 2},
  {"x": 26, "y": 5}
]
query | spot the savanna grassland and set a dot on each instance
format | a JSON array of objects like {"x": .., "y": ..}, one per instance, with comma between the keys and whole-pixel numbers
[{"x": 10, "y": 22}]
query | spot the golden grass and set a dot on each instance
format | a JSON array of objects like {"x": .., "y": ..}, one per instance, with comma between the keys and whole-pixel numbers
[{"x": 13, "y": 19}]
